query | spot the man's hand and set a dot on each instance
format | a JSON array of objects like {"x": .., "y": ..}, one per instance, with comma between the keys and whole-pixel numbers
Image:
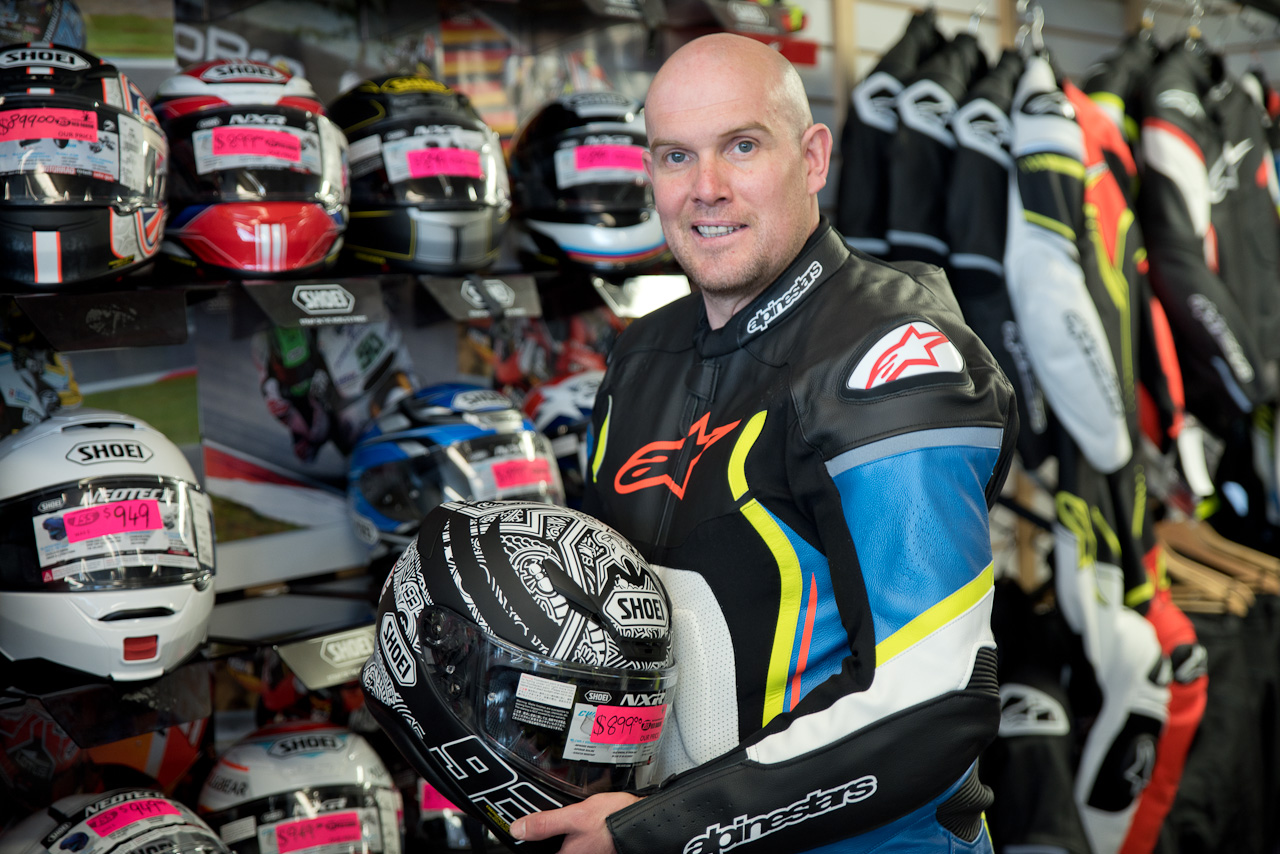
[{"x": 582, "y": 824}]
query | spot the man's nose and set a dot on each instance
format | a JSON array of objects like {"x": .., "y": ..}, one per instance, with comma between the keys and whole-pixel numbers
[{"x": 710, "y": 185}]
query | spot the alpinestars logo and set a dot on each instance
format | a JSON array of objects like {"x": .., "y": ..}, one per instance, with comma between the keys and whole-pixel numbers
[
  {"x": 909, "y": 350},
  {"x": 719, "y": 838},
  {"x": 775, "y": 308},
  {"x": 925, "y": 107},
  {"x": 637, "y": 472}
]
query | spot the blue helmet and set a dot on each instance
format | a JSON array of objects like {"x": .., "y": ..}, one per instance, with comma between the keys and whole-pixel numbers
[{"x": 445, "y": 442}]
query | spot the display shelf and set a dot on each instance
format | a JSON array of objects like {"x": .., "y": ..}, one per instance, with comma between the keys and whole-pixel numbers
[{"x": 323, "y": 639}]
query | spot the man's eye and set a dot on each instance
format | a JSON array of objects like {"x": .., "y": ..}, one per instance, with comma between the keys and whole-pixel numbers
[
  {"x": 745, "y": 146},
  {"x": 675, "y": 157}
]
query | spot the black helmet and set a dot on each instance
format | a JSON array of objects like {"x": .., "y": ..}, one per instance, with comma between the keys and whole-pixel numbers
[
  {"x": 523, "y": 659},
  {"x": 84, "y": 194},
  {"x": 429, "y": 189},
  {"x": 582, "y": 196},
  {"x": 121, "y": 821}
]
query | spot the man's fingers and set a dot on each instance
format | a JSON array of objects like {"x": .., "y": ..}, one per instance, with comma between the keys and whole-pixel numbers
[{"x": 543, "y": 825}]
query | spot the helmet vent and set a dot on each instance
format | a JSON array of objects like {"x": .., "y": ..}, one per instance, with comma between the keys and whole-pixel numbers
[{"x": 137, "y": 614}]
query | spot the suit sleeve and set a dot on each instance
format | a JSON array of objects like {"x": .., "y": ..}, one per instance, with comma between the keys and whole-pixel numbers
[{"x": 1065, "y": 337}]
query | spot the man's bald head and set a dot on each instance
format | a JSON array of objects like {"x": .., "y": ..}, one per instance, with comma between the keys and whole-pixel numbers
[{"x": 724, "y": 65}]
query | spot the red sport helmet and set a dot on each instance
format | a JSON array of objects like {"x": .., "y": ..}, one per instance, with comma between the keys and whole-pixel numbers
[{"x": 259, "y": 175}]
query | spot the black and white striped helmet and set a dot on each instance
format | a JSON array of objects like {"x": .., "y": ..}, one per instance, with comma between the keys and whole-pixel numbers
[{"x": 527, "y": 640}]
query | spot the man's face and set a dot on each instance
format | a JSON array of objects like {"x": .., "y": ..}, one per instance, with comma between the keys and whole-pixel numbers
[{"x": 730, "y": 184}]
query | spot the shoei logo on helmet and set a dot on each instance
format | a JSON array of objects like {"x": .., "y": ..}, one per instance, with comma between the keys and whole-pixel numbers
[
  {"x": 242, "y": 72},
  {"x": 323, "y": 299},
  {"x": 51, "y": 504},
  {"x": 748, "y": 13},
  {"x": 347, "y": 647},
  {"x": 636, "y": 609},
  {"x": 597, "y": 697},
  {"x": 43, "y": 56},
  {"x": 480, "y": 399},
  {"x": 397, "y": 652},
  {"x": 89, "y": 453},
  {"x": 501, "y": 292},
  {"x": 313, "y": 743}
]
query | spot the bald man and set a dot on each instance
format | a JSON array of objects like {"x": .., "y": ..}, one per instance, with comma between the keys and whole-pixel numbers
[{"x": 808, "y": 446}]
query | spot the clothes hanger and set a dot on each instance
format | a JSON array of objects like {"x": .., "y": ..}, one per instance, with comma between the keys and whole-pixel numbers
[
  {"x": 1030, "y": 37},
  {"x": 1200, "y": 589},
  {"x": 1196, "y": 541},
  {"x": 975, "y": 18}
]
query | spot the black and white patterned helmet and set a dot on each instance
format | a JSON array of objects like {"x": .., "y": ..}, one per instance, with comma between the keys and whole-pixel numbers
[{"x": 523, "y": 659}]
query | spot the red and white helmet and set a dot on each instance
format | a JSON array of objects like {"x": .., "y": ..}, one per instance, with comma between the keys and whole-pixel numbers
[
  {"x": 258, "y": 183},
  {"x": 302, "y": 785}
]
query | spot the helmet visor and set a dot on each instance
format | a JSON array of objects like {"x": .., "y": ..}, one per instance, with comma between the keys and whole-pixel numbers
[
  {"x": 590, "y": 729},
  {"x": 258, "y": 154},
  {"x": 53, "y": 151},
  {"x": 516, "y": 465},
  {"x": 443, "y": 166},
  {"x": 588, "y": 172},
  {"x": 106, "y": 533},
  {"x": 354, "y": 819}
]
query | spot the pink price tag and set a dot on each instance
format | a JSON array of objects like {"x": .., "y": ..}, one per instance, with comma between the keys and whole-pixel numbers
[
  {"x": 520, "y": 473},
  {"x": 627, "y": 157},
  {"x": 118, "y": 517},
  {"x": 328, "y": 829},
  {"x": 627, "y": 725},
  {"x": 458, "y": 162},
  {"x": 52, "y": 123},
  {"x": 108, "y": 822},
  {"x": 229, "y": 141},
  {"x": 429, "y": 798}
]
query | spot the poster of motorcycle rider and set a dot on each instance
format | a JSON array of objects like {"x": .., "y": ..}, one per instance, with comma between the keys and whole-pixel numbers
[{"x": 281, "y": 406}]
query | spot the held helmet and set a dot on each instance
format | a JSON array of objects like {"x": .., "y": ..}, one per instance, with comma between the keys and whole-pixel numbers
[
  {"x": 299, "y": 785},
  {"x": 445, "y": 442},
  {"x": 429, "y": 188},
  {"x": 259, "y": 175},
  {"x": 523, "y": 659},
  {"x": 122, "y": 821},
  {"x": 106, "y": 547},
  {"x": 561, "y": 409},
  {"x": 83, "y": 163},
  {"x": 582, "y": 197}
]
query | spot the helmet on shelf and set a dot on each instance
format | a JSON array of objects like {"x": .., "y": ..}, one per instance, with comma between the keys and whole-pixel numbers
[
  {"x": 85, "y": 181},
  {"x": 561, "y": 409},
  {"x": 582, "y": 197},
  {"x": 121, "y": 821},
  {"x": 259, "y": 182},
  {"x": 429, "y": 189},
  {"x": 106, "y": 547},
  {"x": 449, "y": 441},
  {"x": 523, "y": 659},
  {"x": 297, "y": 785}
]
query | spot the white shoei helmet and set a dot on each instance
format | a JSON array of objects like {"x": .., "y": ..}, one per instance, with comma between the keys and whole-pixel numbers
[
  {"x": 122, "y": 821},
  {"x": 106, "y": 547},
  {"x": 303, "y": 785}
]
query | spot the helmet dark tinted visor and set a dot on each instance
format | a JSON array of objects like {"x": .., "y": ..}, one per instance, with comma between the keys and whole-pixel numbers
[
  {"x": 591, "y": 729},
  {"x": 257, "y": 154}
]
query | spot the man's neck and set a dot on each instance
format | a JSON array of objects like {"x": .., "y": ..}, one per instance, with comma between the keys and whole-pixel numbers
[{"x": 721, "y": 308}]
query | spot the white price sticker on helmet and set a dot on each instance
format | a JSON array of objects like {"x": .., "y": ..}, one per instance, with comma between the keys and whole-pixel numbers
[
  {"x": 617, "y": 735},
  {"x": 599, "y": 164},
  {"x": 256, "y": 147},
  {"x": 453, "y": 153}
]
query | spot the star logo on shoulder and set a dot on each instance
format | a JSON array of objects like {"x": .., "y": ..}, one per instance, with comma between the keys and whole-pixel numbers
[{"x": 910, "y": 350}]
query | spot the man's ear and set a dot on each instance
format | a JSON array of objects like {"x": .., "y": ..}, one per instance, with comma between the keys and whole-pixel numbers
[
  {"x": 815, "y": 147},
  {"x": 647, "y": 157}
]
